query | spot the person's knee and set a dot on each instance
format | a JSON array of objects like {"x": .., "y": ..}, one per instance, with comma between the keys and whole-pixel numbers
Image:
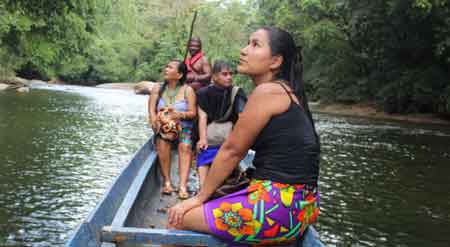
[
  {"x": 173, "y": 227},
  {"x": 203, "y": 168},
  {"x": 162, "y": 145},
  {"x": 184, "y": 149}
]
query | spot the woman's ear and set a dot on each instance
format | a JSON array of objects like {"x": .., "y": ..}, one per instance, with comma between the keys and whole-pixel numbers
[
  {"x": 276, "y": 62},
  {"x": 179, "y": 76}
]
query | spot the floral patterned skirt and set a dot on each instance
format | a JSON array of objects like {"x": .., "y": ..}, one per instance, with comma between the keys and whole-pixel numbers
[{"x": 265, "y": 213}]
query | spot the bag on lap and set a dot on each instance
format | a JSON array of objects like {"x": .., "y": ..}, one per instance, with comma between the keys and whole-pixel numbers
[
  {"x": 218, "y": 130},
  {"x": 237, "y": 180}
]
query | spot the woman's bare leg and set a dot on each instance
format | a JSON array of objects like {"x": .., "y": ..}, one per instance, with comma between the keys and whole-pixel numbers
[
  {"x": 163, "y": 150},
  {"x": 202, "y": 172},
  {"x": 184, "y": 155},
  {"x": 194, "y": 220}
]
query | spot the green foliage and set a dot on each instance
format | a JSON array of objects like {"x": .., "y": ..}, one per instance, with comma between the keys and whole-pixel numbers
[
  {"x": 414, "y": 91},
  {"x": 39, "y": 35},
  {"x": 394, "y": 52}
]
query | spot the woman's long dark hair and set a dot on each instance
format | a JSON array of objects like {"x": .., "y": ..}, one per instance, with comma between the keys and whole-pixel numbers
[
  {"x": 182, "y": 68},
  {"x": 281, "y": 43}
]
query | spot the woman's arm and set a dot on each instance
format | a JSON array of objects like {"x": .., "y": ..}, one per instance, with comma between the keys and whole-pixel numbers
[
  {"x": 202, "y": 126},
  {"x": 152, "y": 105},
  {"x": 192, "y": 105}
]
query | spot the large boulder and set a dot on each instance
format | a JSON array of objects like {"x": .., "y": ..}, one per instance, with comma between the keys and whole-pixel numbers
[
  {"x": 144, "y": 87},
  {"x": 117, "y": 85},
  {"x": 38, "y": 82},
  {"x": 23, "y": 90},
  {"x": 3, "y": 86},
  {"x": 14, "y": 81}
]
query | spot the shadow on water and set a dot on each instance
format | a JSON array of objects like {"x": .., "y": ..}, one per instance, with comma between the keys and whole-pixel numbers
[{"x": 382, "y": 183}]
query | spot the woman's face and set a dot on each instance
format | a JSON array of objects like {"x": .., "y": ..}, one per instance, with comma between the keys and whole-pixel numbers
[
  {"x": 256, "y": 57},
  {"x": 171, "y": 72}
]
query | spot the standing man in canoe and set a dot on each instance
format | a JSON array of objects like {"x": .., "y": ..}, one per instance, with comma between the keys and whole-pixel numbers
[{"x": 199, "y": 69}]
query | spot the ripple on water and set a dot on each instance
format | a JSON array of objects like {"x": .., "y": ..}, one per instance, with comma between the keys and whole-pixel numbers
[
  {"x": 382, "y": 183},
  {"x": 63, "y": 149}
]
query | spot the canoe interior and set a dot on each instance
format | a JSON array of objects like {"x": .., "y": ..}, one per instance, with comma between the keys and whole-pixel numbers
[
  {"x": 133, "y": 212},
  {"x": 149, "y": 210}
]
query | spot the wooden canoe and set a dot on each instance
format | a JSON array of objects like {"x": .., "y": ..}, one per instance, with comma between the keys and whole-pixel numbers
[{"x": 132, "y": 212}]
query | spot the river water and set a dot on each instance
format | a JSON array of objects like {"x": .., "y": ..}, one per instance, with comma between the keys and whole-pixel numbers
[{"x": 382, "y": 183}]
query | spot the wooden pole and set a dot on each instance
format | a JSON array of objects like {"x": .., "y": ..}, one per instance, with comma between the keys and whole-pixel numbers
[{"x": 190, "y": 35}]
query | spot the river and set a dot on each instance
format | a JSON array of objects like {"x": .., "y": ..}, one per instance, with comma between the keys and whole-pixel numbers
[{"x": 382, "y": 183}]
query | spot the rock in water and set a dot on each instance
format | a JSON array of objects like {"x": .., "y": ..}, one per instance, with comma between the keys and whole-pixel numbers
[
  {"x": 3, "y": 86},
  {"x": 23, "y": 90},
  {"x": 144, "y": 87}
]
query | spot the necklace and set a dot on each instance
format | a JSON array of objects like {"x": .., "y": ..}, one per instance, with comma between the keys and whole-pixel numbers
[{"x": 172, "y": 94}]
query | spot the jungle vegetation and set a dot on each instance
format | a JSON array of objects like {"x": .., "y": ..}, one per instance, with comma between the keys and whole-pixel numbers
[{"x": 395, "y": 53}]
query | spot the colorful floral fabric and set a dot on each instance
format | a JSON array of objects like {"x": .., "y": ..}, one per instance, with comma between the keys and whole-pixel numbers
[
  {"x": 265, "y": 213},
  {"x": 186, "y": 136}
]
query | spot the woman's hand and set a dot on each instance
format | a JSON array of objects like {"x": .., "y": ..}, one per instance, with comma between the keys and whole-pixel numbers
[
  {"x": 176, "y": 213},
  {"x": 177, "y": 115},
  {"x": 202, "y": 144}
]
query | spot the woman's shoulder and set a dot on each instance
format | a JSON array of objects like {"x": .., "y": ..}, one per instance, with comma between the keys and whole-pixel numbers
[
  {"x": 267, "y": 88},
  {"x": 273, "y": 92},
  {"x": 188, "y": 89}
]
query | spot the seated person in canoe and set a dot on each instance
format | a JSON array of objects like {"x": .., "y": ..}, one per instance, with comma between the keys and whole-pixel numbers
[
  {"x": 172, "y": 108},
  {"x": 219, "y": 105}
]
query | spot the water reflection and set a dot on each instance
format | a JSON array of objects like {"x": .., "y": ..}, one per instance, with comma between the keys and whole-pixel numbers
[{"x": 382, "y": 183}]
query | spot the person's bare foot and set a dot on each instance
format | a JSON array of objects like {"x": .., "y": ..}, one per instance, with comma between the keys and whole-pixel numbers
[
  {"x": 183, "y": 193},
  {"x": 167, "y": 189}
]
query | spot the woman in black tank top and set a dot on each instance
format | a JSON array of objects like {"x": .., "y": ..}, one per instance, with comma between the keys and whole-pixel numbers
[{"x": 283, "y": 198}]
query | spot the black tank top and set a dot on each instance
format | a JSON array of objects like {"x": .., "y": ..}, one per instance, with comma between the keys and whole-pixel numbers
[{"x": 287, "y": 150}]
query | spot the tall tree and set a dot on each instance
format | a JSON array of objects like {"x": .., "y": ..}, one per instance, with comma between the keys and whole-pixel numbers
[{"x": 35, "y": 37}]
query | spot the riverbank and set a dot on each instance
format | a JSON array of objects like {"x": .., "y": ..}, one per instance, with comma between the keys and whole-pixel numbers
[
  {"x": 23, "y": 85},
  {"x": 369, "y": 110},
  {"x": 14, "y": 83},
  {"x": 366, "y": 110}
]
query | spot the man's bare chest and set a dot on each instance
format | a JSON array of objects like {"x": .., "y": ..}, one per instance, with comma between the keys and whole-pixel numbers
[{"x": 198, "y": 67}]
